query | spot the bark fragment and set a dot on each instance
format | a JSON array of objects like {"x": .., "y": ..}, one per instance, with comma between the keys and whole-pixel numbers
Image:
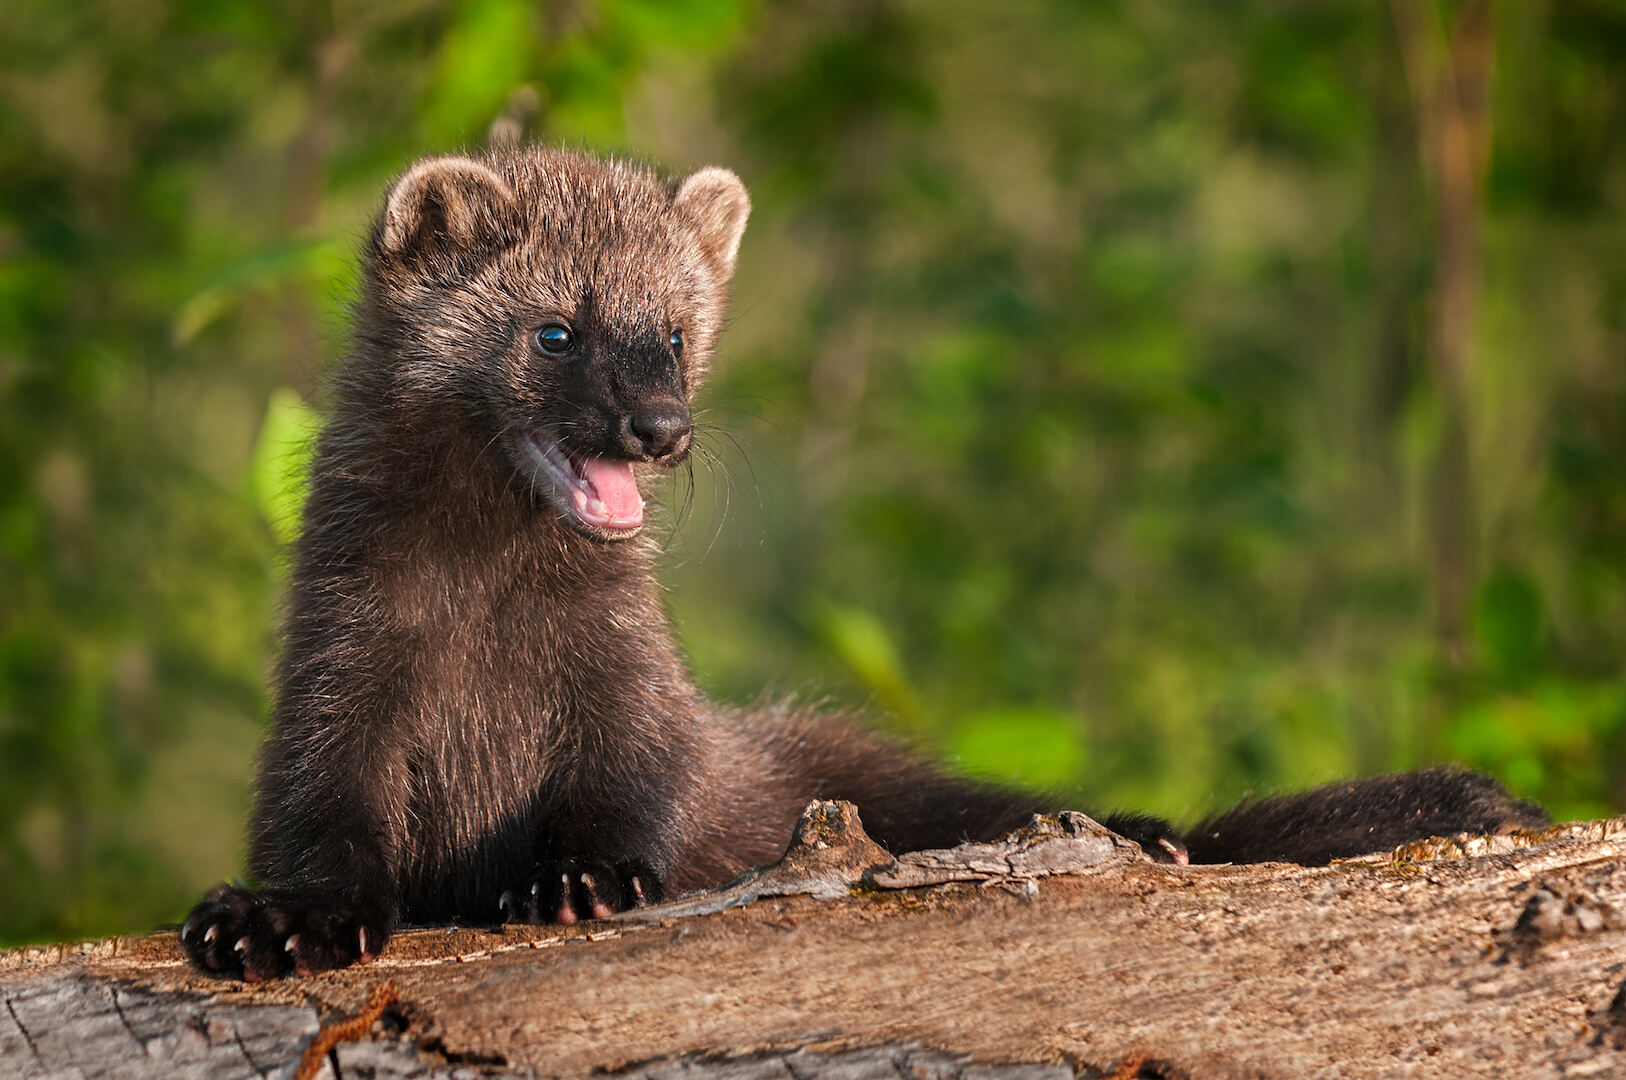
[{"x": 1060, "y": 952}]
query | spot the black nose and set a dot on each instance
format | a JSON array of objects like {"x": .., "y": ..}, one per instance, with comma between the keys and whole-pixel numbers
[{"x": 661, "y": 428}]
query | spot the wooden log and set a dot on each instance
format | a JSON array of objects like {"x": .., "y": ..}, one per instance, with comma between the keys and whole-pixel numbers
[{"x": 1060, "y": 952}]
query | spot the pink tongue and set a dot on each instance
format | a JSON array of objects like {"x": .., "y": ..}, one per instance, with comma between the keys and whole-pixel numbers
[{"x": 616, "y": 489}]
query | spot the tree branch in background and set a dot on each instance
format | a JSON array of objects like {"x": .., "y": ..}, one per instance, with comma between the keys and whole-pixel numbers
[{"x": 1449, "y": 76}]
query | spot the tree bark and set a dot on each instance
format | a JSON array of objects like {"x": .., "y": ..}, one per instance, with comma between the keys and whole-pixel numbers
[{"x": 1061, "y": 952}]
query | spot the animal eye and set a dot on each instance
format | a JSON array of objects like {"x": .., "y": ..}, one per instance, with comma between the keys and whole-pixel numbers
[
  {"x": 555, "y": 339},
  {"x": 677, "y": 341}
]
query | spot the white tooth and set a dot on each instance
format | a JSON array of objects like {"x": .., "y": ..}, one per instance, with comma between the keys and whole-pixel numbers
[
  {"x": 580, "y": 498},
  {"x": 597, "y": 508}
]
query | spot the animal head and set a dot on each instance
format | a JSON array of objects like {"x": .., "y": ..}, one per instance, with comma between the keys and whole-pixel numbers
[{"x": 570, "y": 304}]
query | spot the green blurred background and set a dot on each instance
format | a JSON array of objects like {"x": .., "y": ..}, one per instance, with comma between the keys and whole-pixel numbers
[{"x": 1159, "y": 401}]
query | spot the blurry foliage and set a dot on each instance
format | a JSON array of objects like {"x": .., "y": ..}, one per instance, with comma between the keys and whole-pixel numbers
[
  {"x": 280, "y": 460},
  {"x": 1078, "y": 407}
]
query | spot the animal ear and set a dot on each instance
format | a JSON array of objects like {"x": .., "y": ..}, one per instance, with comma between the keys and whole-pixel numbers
[
  {"x": 716, "y": 204},
  {"x": 451, "y": 204}
]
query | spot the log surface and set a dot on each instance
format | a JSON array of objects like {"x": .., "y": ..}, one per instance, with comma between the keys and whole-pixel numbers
[{"x": 1061, "y": 952}]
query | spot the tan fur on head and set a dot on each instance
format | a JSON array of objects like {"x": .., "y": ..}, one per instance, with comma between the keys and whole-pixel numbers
[
  {"x": 471, "y": 255},
  {"x": 715, "y": 200},
  {"x": 454, "y": 198}
]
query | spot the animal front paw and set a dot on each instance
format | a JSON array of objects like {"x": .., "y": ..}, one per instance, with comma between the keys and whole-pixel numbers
[
  {"x": 1161, "y": 841},
  {"x": 259, "y": 934},
  {"x": 568, "y": 890}
]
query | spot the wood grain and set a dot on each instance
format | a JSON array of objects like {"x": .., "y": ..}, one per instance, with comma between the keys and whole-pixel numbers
[{"x": 1061, "y": 952}]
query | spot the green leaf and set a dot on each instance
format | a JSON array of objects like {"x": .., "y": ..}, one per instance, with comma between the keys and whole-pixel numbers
[
  {"x": 280, "y": 463},
  {"x": 486, "y": 54},
  {"x": 320, "y": 260},
  {"x": 1033, "y": 745},
  {"x": 860, "y": 639}
]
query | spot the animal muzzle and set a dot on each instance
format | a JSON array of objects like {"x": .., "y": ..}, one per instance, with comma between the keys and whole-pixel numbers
[{"x": 658, "y": 430}]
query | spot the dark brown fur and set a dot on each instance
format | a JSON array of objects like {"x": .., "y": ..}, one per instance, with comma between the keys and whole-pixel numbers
[{"x": 480, "y": 707}]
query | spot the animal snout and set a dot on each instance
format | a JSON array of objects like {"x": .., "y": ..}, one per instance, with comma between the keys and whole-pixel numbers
[{"x": 659, "y": 429}]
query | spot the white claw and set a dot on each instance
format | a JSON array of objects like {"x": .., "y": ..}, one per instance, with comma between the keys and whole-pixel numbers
[
  {"x": 241, "y": 945},
  {"x": 535, "y": 887},
  {"x": 186, "y": 931},
  {"x": 1175, "y": 852},
  {"x": 505, "y": 902},
  {"x": 637, "y": 889},
  {"x": 211, "y": 933},
  {"x": 362, "y": 934},
  {"x": 292, "y": 945},
  {"x": 587, "y": 881}
]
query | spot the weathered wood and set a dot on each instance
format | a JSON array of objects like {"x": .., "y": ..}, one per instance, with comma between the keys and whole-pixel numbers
[{"x": 1062, "y": 952}]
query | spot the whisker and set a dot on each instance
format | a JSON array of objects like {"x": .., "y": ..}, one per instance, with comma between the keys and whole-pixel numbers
[
  {"x": 683, "y": 508},
  {"x": 723, "y": 482},
  {"x": 728, "y": 499},
  {"x": 718, "y": 516},
  {"x": 735, "y": 441},
  {"x": 731, "y": 473},
  {"x": 738, "y": 410},
  {"x": 740, "y": 313}
]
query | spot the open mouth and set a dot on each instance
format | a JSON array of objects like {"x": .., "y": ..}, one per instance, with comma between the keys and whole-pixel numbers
[{"x": 595, "y": 492}]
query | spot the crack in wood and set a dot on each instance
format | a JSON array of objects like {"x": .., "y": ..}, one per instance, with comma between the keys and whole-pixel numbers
[
  {"x": 905, "y": 1062},
  {"x": 23, "y": 1030},
  {"x": 113, "y": 992},
  {"x": 242, "y": 1048},
  {"x": 435, "y": 1048}
]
